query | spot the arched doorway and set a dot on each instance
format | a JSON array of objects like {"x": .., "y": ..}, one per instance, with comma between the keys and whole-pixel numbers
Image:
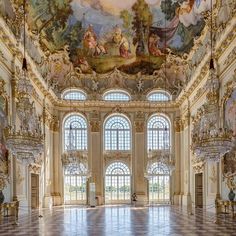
[
  {"x": 159, "y": 184},
  {"x": 117, "y": 183},
  {"x": 75, "y": 186}
]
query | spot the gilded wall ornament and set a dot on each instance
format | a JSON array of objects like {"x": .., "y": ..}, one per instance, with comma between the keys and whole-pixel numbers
[
  {"x": 139, "y": 126},
  {"x": 178, "y": 124},
  {"x": 36, "y": 169},
  {"x": 95, "y": 125}
]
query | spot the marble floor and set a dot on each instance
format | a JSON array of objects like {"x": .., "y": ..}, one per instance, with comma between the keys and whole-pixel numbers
[{"x": 118, "y": 221}]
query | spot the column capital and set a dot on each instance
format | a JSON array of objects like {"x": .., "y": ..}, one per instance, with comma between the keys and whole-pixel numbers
[
  {"x": 95, "y": 125},
  {"x": 139, "y": 126}
]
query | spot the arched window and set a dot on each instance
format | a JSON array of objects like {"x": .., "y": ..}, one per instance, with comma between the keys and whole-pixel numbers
[
  {"x": 75, "y": 186},
  {"x": 159, "y": 183},
  {"x": 117, "y": 133},
  {"x": 73, "y": 94},
  {"x": 158, "y": 133},
  {"x": 116, "y": 95},
  {"x": 158, "y": 96},
  {"x": 117, "y": 183},
  {"x": 75, "y": 133}
]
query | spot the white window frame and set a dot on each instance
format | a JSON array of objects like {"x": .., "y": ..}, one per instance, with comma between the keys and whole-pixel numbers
[
  {"x": 159, "y": 93},
  {"x": 115, "y": 179},
  {"x": 78, "y": 130},
  {"x": 159, "y": 174},
  {"x": 117, "y": 134},
  {"x": 158, "y": 133},
  {"x": 71, "y": 91},
  {"x": 126, "y": 96}
]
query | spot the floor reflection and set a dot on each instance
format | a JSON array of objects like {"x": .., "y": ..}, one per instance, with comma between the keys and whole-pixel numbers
[{"x": 118, "y": 221}]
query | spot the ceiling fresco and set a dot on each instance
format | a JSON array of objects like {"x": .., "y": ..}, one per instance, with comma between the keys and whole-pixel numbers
[
  {"x": 87, "y": 37},
  {"x": 131, "y": 35}
]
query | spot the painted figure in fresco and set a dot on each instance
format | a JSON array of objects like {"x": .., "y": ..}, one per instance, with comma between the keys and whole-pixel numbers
[
  {"x": 91, "y": 44},
  {"x": 124, "y": 47},
  {"x": 153, "y": 45},
  {"x": 83, "y": 64},
  {"x": 117, "y": 35},
  {"x": 119, "y": 39},
  {"x": 90, "y": 38}
]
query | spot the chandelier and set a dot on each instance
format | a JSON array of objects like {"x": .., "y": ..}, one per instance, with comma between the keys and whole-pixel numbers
[
  {"x": 75, "y": 162},
  {"x": 162, "y": 156},
  {"x": 27, "y": 141},
  {"x": 209, "y": 140}
]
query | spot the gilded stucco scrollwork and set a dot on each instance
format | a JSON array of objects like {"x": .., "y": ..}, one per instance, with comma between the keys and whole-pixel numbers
[
  {"x": 34, "y": 168},
  {"x": 198, "y": 164},
  {"x": 95, "y": 125},
  {"x": 198, "y": 167},
  {"x": 139, "y": 126},
  {"x": 178, "y": 125},
  {"x": 4, "y": 154},
  {"x": 228, "y": 164},
  {"x": 110, "y": 156},
  {"x": 229, "y": 88}
]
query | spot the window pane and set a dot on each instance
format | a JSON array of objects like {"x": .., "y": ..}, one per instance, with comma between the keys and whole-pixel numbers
[
  {"x": 117, "y": 182},
  {"x": 117, "y": 134},
  {"x": 75, "y": 187},
  {"x": 116, "y": 96},
  {"x": 159, "y": 186},
  {"x": 74, "y": 95},
  {"x": 158, "y": 133},
  {"x": 159, "y": 96},
  {"x": 75, "y": 133}
]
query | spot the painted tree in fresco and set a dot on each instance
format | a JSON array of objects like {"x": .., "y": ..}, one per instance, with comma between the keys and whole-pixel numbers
[
  {"x": 142, "y": 21},
  {"x": 169, "y": 7},
  {"x": 54, "y": 12},
  {"x": 127, "y": 20}
]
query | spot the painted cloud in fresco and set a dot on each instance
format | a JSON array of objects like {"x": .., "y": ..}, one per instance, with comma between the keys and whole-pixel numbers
[
  {"x": 190, "y": 11},
  {"x": 113, "y": 7}
]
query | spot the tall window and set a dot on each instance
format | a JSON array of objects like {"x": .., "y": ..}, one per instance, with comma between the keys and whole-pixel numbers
[
  {"x": 74, "y": 95},
  {"x": 159, "y": 96},
  {"x": 159, "y": 183},
  {"x": 117, "y": 183},
  {"x": 116, "y": 95},
  {"x": 158, "y": 133},
  {"x": 117, "y": 133},
  {"x": 75, "y": 187},
  {"x": 75, "y": 133}
]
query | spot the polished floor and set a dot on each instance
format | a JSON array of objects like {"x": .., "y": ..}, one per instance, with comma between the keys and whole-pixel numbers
[{"x": 118, "y": 221}]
